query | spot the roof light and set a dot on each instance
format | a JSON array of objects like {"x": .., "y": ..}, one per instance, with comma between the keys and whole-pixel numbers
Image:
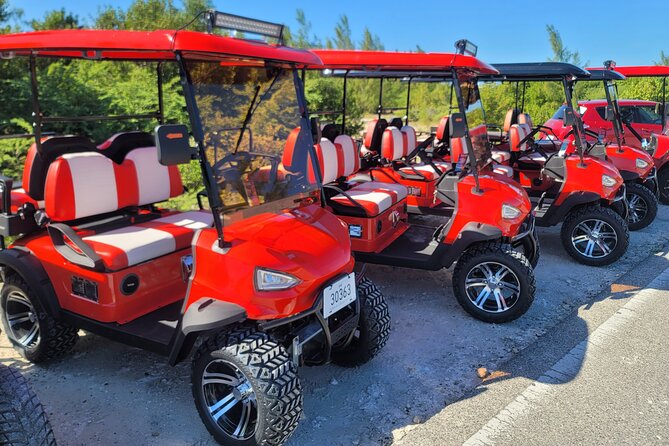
[
  {"x": 231, "y": 22},
  {"x": 464, "y": 46},
  {"x": 609, "y": 64}
]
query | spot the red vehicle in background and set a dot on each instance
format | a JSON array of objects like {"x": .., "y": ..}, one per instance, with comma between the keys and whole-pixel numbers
[
  {"x": 258, "y": 281},
  {"x": 478, "y": 218},
  {"x": 635, "y": 119}
]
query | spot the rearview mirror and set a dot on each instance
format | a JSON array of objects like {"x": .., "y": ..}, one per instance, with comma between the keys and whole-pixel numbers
[
  {"x": 173, "y": 143},
  {"x": 457, "y": 125},
  {"x": 568, "y": 119},
  {"x": 609, "y": 115}
]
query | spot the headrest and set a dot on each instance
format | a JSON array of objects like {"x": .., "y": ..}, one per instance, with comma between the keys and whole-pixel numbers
[
  {"x": 517, "y": 133},
  {"x": 443, "y": 130},
  {"x": 37, "y": 164},
  {"x": 330, "y": 131},
  {"x": 524, "y": 118},
  {"x": 374, "y": 134},
  {"x": 510, "y": 119},
  {"x": 396, "y": 122},
  {"x": 118, "y": 146}
]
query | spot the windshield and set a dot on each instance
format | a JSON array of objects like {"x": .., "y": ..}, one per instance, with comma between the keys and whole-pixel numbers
[
  {"x": 253, "y": 137},
  {"x": 475, "y": 116}
]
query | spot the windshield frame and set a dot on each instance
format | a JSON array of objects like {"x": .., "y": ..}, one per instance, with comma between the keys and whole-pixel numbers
[
  {"x": 198, "y": 133},
  {"x": 611, "y": 101},
  {"x": 578, "y": 128}
]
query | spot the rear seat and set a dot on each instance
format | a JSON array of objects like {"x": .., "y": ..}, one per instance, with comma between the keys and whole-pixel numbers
[
  {"x": 84, "y": 185},
  {"x": 339, "y": 160}
]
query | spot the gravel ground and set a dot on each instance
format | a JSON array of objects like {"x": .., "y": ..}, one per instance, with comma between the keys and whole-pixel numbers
[{"x": 107, "y": 393}]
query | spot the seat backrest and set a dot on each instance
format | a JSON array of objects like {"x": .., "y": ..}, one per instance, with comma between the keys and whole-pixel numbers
[
  {"x": 331, "y": 131},
  {"x": 517, "y": 133},
  {"x": 328, "y": 162},
  {"x": 409, "y": 138},
  {"x": 458, "y": 149},
  {"x": 120, "y": 144},
  {"x": 86, "y": 184},
  {"x": 37, "y": 164},
  {"x": 510, "y": 119},
  {"x": 524, "y": 118},
  {"x": 443, "y": 133},
  {"x": 392, "y": 145},
  {"x": 348, "y": 154},
  {"x": 374, "y": 135}
]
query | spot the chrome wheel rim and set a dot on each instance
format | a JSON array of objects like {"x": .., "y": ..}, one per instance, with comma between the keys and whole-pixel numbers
[
  {"x": 21, "y": 320},
  {"x": 230, "y": 399},
  {"x": 492, "y": 287},
  {"x": 594, "y": 238},
  {"x": 638, "y": 208}
]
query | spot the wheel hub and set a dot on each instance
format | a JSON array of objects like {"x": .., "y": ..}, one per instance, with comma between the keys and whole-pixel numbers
[{"x": 243, "y": 391}]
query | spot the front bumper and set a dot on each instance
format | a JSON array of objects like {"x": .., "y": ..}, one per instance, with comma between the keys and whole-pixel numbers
[
  {"x": 621, "y": 198},
  {"x": 651, "y": 182}
]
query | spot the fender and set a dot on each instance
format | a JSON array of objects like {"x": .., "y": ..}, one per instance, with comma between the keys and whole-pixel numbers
[
  {"x": 206, "y": 315},
  {"x": 30, "y": 269},
  {"x": 557, "y": 213},
  {"x": 470, "y": 234},
  {"x": 629, "y": 175}
]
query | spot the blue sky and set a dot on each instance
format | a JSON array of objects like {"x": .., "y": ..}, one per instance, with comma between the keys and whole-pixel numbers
[{"x": 504, "y": 30}]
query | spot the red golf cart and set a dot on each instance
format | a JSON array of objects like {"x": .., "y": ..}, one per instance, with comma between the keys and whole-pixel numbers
[
  {"x": 261, "y": 278},
  {"x": 647, "y": 122},
  {"x": 634, "y": 164},
  {"x": 567, "y": 185},
  {"x": 479, "y": 217}
]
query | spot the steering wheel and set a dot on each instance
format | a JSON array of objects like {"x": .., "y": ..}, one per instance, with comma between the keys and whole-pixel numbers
[{"x": 239, "y": 163}]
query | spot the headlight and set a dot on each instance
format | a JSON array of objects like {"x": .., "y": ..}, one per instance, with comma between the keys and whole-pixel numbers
[
  {"x": 641, "y": 164},
  {"x": 267, "y": 280},
  {"x": 510, "y": 212},
  {"x": 608, "y": 181}
]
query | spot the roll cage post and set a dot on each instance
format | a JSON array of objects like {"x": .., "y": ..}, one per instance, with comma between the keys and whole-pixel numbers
[
  {"x": 617, "y": 118},
  {"x": 568, "y": 85},
  {"x": 468, "y": 140}
]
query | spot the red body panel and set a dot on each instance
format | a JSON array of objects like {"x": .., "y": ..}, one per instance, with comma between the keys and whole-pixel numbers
[
  {"x": 380, "y": 231},
  {"x": 486, "y": 207},
  {"x": 661, "y": 154},
  {"x": 160, "y": 283},
  {"x": 309, "y": 243},
  {"x": 587, "y": 177},
  {"x": 625, "y": 159}
]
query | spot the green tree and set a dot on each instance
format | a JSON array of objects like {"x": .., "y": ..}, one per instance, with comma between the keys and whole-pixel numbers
[
  {"x": 663, "y": 60},
  {"x": 342, "y": 39},
  {"x": 560, "y": 52},
  {"x": 370, "y": 41},
  {"x": 304, "y": 38},
  {"x": 56, "y": 19}
]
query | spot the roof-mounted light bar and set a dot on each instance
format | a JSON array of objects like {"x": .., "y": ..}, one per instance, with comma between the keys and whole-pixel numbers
[
  {"x": 231, "y": 22},
  {"x": 465, "y": 47},
  {"x": 610, "y": 64}
]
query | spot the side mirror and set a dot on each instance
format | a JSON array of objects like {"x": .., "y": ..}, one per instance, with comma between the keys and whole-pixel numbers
[
  {"x": 457, "y": 125},
  {"x": 568, "y": 119},
  {"x": 173, "y": 144},
  {"x": 609, "y": 115}
]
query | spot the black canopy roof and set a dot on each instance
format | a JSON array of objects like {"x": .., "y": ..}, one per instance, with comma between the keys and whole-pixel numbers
[
  {"x": 536, "y": 71},
  {"x": 602, "y": 74}
]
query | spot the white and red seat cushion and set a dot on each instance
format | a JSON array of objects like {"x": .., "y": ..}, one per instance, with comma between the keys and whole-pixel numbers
[
  {"x": 501, "y": 156},
  {"x": 442, "y": 129},
  {"x": 329, "y": 163},
  {"x": 375, "y": 197},
  {"x": 503, "y": 170},
  {"x": 392, "y": 144},
  {"x": 409, "y": 139},
  {"x": 131, "y": 245},
  {"x": 350, "y": 156},
  {"x": 155, "y": 182},
  {"x": 524, "y": 118},
  {"x": 517, "y": 133},
  {"x": 426, "y": 171},
  {"x": 510, "y": 119}
]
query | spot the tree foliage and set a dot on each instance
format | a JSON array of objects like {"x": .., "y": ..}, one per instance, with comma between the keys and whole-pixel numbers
[{"x": 560, "y": 52}]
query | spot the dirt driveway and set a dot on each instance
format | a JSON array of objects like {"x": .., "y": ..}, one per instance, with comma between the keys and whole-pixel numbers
[{"x": 107, "y": 393}]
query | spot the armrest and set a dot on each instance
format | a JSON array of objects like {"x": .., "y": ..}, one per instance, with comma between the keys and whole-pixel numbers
[{"x": 86, "y": 257}]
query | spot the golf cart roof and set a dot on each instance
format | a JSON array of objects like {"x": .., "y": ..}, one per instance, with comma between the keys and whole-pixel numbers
[
  {"x": 604, "y": 74},
  {"x": 400, "y": 63},
  {"x": 641, "y": 71},
  {"x": 143, "y": 45},
  {"x": 537, "y": 71}
]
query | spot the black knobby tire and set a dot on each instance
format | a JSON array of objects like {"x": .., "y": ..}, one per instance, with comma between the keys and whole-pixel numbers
[
  {"x": 495, "y": 253},
  {"x": 590, "y": 213},
  {"x": 373, "y": 329},
  {"x": 648, "y": 203},
  {"x": 55, "y": 338},
  {"x": 663, "y": 184},
  {"x": 23, "y": 421},
  {"x": 272, "y": 375}
]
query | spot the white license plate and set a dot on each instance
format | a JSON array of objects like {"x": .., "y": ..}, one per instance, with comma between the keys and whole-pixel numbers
[{"x": 338, "y": 295}]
